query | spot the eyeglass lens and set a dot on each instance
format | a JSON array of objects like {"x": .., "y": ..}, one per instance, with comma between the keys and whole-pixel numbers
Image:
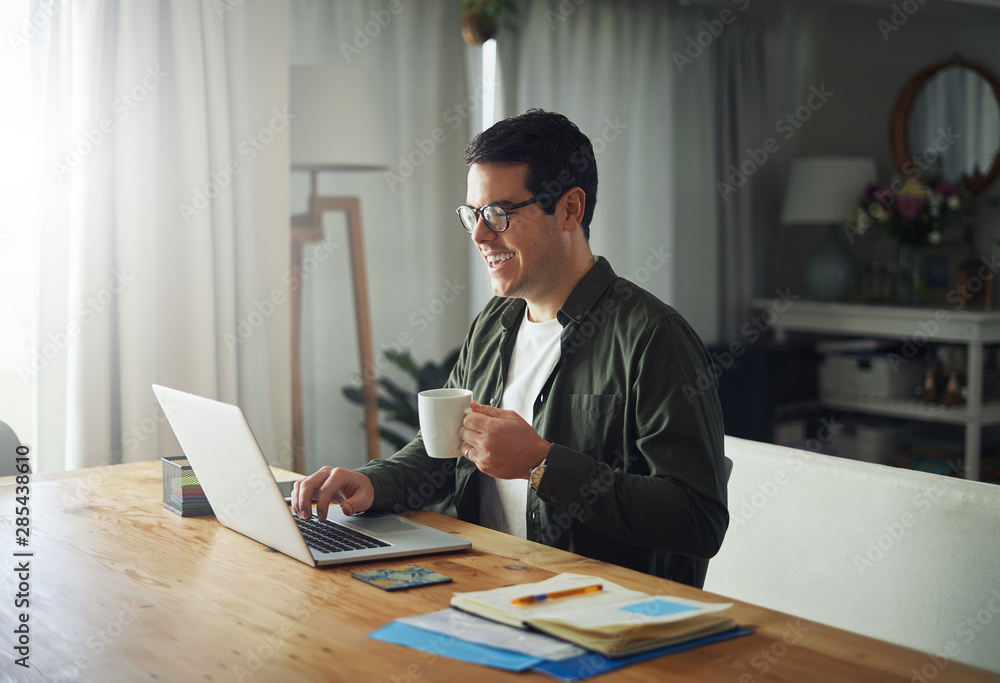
[{"x": 494, "y": 216}]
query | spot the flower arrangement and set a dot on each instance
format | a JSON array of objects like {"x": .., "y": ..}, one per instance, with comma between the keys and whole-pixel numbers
[{"x": 917, "y": 211}]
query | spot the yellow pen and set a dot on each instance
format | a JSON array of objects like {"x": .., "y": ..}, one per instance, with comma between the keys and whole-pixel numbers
[{"x": 568, "y": 593}]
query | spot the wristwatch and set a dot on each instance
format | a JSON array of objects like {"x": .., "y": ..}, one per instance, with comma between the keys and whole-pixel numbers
[{"x": 536, "y": 474}]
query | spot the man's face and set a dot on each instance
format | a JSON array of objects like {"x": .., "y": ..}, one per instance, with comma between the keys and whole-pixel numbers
[{"x": 526, "y": 259}]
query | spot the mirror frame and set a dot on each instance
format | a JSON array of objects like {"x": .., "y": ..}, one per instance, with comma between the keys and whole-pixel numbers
[{"x": 899, "y": 122}]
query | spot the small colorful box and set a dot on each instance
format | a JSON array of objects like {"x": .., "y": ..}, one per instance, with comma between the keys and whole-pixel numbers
[{"x": 181, "y": 491}]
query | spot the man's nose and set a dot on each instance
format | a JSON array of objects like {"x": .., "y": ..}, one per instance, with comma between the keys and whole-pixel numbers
[{"x": 480, "y": 233}]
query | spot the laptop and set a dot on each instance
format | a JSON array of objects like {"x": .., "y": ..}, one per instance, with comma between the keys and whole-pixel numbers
[{"x": 245, "y": 497}]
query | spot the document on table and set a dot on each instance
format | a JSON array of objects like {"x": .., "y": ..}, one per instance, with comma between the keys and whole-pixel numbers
[{"x": 470, "y": 628}]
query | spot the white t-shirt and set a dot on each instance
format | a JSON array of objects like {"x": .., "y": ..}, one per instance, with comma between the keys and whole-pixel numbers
[{"x": 502, "y": 502}]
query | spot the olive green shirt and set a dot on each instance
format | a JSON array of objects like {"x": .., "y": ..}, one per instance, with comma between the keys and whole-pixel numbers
[{"x": 635, "y": 473}]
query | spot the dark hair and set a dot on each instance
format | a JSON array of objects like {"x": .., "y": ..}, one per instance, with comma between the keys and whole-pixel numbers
[{"x": 558, "y": 155}]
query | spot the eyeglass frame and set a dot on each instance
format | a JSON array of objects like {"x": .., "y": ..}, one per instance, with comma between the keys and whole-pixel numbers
[{"x": 506, "y": 211}]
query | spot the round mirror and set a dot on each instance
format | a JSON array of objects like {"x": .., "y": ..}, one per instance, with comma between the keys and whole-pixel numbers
[{"x": 947, "y": 122}]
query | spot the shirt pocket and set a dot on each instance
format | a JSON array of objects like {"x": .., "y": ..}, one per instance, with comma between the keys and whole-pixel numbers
[
  {"x": 593, "y": 424},
  {"x": 595, "y": 404}
]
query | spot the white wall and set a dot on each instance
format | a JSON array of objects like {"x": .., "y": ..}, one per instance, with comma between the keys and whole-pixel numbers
[{"x": 904, "y": 556}]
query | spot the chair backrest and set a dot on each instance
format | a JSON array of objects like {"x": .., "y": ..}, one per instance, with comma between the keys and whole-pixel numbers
[
  {"x": 8, "y": 443},
  {"x": 904, "y": 556}
]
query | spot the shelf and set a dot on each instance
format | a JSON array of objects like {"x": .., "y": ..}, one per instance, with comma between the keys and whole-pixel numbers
[
  {"x": 915, "y": 324},
  {"x": 913, "y": 328},
  {"x": 914, "y": 410}
]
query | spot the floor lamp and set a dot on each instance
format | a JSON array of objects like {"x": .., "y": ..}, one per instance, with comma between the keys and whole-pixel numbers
[{"x": 336, "y": 127}]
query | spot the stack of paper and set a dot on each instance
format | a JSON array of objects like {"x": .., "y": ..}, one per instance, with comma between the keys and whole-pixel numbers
[
  {"x": 613, "y": 621},
  {"x": 632, "y": 622}
]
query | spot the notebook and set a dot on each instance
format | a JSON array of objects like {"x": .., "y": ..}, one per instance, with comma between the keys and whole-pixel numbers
[
  {"x": 238, "y": 483},
  {"x": 597, "y": 614}
]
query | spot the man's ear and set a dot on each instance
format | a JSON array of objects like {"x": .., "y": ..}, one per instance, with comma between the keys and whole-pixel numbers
[{"x": 571, "y": 208}]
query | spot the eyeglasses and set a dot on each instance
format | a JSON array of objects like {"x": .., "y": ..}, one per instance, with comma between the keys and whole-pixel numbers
[{"x": 496, "y": 217}]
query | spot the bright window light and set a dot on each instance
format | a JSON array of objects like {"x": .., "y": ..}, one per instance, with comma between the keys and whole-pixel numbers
[
  {"x": 489, "y": 83},
  {"x": 17, "y": 227}
]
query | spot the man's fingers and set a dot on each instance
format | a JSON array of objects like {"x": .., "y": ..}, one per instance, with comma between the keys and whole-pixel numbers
[
  {"x": 330, "y": 491},
  {"x": 489, "y": 411},
  {"x": 332, "y": 485}
]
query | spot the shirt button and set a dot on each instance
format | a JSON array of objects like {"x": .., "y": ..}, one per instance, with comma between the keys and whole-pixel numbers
[
  {"x": 554, "y": 499},
  {"x": 493, "y": 401},
  {"x": 578, "y": 317},
  {"x": 533, "y": 514}
]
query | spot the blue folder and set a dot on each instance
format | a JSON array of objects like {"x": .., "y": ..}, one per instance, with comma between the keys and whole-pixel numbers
[
  {"x": 573, "y": 669},
  {"x": 592, "y": 664}
]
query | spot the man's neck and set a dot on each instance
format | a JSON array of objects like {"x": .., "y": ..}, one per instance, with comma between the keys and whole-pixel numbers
[{"x": 540, "y": 311}]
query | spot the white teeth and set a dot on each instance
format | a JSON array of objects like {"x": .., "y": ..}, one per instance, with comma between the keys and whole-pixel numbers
[{"x": 498, "y": 258}]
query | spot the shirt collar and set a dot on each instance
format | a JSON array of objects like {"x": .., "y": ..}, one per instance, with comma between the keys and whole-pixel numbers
[
  {"x": 587, "y": 291},
  {"x": 583, "y": 297}
]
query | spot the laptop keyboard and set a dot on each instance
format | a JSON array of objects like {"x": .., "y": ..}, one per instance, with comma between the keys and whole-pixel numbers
[{"x": 330, "y": 537}]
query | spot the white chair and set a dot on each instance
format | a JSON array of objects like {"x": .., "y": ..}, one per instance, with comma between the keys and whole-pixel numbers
[
  {"x": 8, "y": 450},
  {"x": 905, "y": 556}
]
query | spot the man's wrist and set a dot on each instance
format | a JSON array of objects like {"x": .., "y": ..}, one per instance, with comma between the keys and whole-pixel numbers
[{"x": 538, "y": 471}]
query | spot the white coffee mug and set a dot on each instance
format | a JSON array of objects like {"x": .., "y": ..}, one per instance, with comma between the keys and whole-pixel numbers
[{"x": 441, "y": 415}]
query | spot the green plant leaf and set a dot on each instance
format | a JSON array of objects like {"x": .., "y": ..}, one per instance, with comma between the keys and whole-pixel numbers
[
  {"x": 352, "y": 394},
  {"x": 404, "y": 361},
  {"x": 398, "y": 404}
]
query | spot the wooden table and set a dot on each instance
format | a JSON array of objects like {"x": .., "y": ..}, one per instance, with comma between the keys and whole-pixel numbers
[{"x": 121, "y": 589}]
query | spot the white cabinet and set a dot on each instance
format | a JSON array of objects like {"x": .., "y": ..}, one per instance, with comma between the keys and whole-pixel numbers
[{"x": 914, "y": 328}]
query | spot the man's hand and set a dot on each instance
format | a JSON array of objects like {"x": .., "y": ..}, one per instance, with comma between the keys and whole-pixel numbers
[
  {"x": 353, "y": 490},
  {"x": 500, "y": 443}
]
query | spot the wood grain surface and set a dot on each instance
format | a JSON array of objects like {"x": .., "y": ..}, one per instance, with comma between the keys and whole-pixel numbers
[{"x": 122, "y": 589}]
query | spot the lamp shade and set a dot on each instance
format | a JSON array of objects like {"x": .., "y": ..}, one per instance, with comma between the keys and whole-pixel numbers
[
  {"x": 824, "y": 190},
  {"x": 337, "y": 124}
]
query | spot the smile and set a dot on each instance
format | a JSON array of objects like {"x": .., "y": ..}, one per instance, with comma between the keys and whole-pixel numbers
[{"x": 495, "y": 260}]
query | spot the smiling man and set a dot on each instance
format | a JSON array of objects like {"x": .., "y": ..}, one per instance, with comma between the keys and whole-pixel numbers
[{"x": 581, "y": 436}]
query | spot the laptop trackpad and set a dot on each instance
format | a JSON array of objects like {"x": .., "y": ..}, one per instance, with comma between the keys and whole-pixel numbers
[{"x": 381, "y": 525}]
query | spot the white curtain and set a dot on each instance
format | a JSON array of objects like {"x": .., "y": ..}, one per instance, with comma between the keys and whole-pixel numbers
[
  {"x": 610, "y": 67},
  {"x": 741, "y": 143},
  {"x": 163, "y": 223},
  {"x": 416, "y": 251}
]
